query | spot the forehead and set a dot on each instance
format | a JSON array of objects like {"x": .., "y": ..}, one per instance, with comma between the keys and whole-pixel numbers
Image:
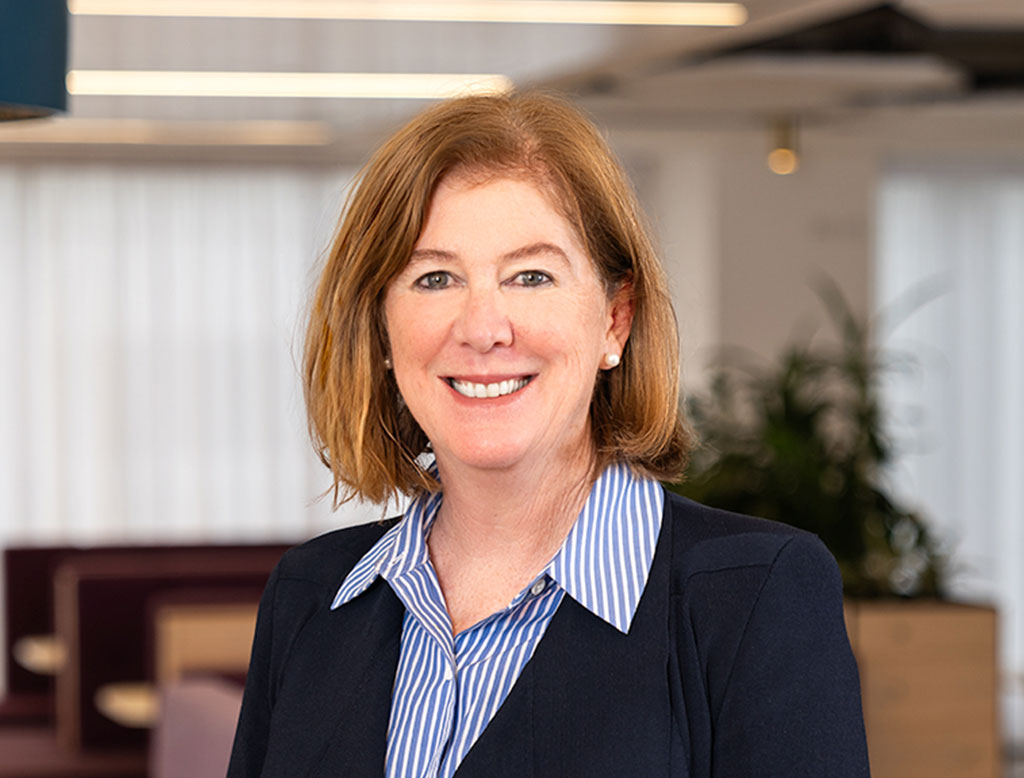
[
  {"x": 493, "y": 207},
  {"x": 536, "y": 178}
]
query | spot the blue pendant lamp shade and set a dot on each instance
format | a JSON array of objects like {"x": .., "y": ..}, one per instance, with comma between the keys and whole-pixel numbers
[{"x": 33, "y": 58}]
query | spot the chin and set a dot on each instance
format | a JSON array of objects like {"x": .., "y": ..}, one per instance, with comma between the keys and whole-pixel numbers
[{"x": 501, "y": 456}]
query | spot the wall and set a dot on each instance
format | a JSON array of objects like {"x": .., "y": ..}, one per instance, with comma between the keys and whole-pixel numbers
[
  {"x": 780, "y": 235},
  {"x": 743, "y": 247}
]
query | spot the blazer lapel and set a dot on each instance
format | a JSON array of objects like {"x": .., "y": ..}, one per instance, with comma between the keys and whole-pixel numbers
[
  {"x": 591, "y": 701},
  {"x": 331, "y": 716}
]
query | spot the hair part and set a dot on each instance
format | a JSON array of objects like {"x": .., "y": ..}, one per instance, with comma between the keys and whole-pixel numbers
[{"x": 358, "y": 422}]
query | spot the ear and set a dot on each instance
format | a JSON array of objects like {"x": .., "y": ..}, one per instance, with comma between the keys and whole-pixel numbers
[{"x": 620, "y": 318}]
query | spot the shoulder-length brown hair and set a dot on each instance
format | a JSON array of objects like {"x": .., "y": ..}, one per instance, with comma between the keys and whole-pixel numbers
[{"x": 359, "y": 424}]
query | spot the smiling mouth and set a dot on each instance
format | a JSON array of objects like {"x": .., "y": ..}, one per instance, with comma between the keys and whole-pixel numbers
[{"x": 498, "y": 389}]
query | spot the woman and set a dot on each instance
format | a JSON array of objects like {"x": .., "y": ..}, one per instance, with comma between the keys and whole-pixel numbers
[{"x": 544, "y": 608}]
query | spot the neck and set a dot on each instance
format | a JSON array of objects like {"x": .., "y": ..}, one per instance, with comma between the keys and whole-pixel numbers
[{"x": 519, "y": 515}]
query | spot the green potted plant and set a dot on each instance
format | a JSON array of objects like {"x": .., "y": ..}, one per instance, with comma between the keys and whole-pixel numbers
[{"x": 802, "y": 441}]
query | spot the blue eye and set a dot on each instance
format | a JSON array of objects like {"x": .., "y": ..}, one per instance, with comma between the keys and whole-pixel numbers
[
  {"x": 533, "y": 278},
  {"x": 439, "y": 279}
]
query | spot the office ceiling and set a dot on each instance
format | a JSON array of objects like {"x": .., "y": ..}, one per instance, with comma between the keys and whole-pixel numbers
[
  {"x": 821, "y": 63},
  {"x": 634, "y": 76}
]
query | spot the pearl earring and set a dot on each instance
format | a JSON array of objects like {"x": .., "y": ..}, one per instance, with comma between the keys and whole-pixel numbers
[
  {"x": 611, "y": 359},
  {"x": 387, "y": 362}
]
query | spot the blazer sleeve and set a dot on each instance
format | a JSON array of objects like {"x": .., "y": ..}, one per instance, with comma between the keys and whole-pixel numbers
[
  {"x": 253, "y": 730},
  {"x": 791, "y": 703}
]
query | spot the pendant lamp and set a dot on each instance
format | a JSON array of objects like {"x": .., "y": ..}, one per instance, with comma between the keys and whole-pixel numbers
[{"x": 33, "y": 58}]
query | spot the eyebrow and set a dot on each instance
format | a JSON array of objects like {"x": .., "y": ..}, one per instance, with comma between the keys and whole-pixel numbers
[
  {"x": 534, "y": 249},
  {"x": 523, "y": 252},
  {"x": 420, "y": 255}
]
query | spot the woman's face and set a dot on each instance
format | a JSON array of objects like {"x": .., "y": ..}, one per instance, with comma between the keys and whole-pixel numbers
[{"x": 498, "y": 327}]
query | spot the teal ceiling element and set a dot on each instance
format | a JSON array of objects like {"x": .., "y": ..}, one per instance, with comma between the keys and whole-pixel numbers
[{"x": 33, "y": 58}]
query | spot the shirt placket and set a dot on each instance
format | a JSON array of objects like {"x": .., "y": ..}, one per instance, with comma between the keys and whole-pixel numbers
[
  {"x": 449, "y": 691},
  {"x": 470, "y": 662},
  {"x": 431, "y": 617}
]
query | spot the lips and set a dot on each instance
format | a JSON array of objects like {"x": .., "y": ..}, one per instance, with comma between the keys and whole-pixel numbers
[{"x": 488, "y": 390}]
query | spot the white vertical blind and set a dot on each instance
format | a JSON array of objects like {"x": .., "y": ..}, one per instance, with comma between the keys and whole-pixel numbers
[
  {"x": 151, "y": 329},
  {"x": 958, "y": 230}
]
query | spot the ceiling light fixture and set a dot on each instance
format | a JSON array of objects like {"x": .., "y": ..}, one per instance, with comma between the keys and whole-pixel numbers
[
  {"x": 713, "y": 14},
  {"x": 146, "y": 132},
  {"x": 179, "y": 83},
  {"x": 784, "y": 158}
]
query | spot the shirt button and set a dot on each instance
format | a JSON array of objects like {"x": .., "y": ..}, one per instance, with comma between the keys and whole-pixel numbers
[
  {"x": 447, "y": 673},
  {"x": 538, "y": 587}
]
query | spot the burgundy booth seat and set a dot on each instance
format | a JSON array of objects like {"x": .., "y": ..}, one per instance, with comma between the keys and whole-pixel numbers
[
  {"x": 101, "y": 604},
  {"x": 30, "y": 745},
  {"x": 28, "y": 610}
]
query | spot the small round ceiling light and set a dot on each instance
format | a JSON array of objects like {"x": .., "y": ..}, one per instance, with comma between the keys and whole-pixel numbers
[{"x": 784, "y": 158}]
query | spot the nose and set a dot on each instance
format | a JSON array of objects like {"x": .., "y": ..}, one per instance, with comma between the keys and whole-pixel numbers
[{"x": 483, "y": 321}]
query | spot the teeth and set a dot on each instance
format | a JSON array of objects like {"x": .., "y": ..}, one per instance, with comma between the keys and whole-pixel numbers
[{"x": 500, "y": 389}]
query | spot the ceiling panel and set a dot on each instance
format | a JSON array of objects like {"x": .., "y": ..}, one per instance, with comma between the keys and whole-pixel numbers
[{"x": 623, "y": 74}]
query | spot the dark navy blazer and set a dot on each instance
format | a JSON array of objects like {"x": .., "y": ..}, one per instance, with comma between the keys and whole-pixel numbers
[{"x": 736, "y": 665}]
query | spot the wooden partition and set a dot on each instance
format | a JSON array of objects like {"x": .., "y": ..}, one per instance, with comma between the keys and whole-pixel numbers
[
  {"x": 201, "y": 632},
  {"x": 928, "y": 680}
]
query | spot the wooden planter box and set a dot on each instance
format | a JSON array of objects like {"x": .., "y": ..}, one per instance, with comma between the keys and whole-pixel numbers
[{"x": 928, "y": 680}]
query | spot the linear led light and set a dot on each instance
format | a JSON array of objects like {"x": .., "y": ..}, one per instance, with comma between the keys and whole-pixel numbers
[
  {"x": 180, "y": 83},
  {"x": 712, "y": 14},
  {"x": 149, "y": 132}
]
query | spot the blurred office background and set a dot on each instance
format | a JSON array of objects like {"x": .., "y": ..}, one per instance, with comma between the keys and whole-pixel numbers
[{"x": 158, "y": 244}]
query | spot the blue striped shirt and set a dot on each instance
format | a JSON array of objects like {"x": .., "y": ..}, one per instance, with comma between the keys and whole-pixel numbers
[{"x": 447, "y": 689}]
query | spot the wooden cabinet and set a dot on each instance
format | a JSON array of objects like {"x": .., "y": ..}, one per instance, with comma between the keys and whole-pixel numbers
[{"x": 929, "y": 686}]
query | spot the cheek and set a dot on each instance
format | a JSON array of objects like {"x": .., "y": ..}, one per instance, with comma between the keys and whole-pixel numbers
[
  {"x": 571, "y": 330},
  {"x": 591, "y": 321},
  {"x": 415, "y": 330}
]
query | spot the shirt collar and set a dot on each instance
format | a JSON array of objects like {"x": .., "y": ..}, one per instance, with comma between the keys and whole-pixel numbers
[
  {"x": 399, "y": 550},
  {"x": 606, "y": 557},
  {"x": 603, "y": 563}
]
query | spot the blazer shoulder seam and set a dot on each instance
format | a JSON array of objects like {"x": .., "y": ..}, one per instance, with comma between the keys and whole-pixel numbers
[{"x": 746, "y": 623}]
